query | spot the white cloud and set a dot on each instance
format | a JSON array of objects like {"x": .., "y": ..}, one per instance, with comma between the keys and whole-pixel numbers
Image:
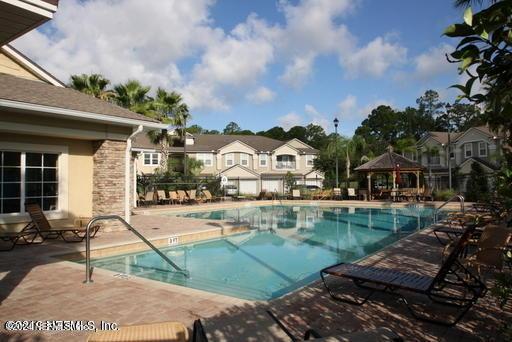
[
  {"x": 367, "y": 109},
  {"x": 374, "y": 59},
  {"x": 261, "y": 95},
  {"x": 100, "y": 36},
  {"x": 297, "y": 73},
  {"x": 289, "y": 120},
  {"x": 348, "y": 104},
  {"x": 225, "y": 65},
  {"x": 433, "y": 62}
]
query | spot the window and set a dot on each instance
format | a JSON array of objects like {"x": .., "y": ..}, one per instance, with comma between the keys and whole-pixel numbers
[
  {"x": 468, "y": 150},
  {"x": 244, "y": 159},
  {"x": 151, "y": 158},
  {"x": 263, "y": 160},
  {"x": 482, "y": 149},
  {"x": 206, "y": 158},
  {"x": 28, "y": 177},
  {"x": 435, "y": 160},
  {"x": 309, "y": 159},
  {"x": 230, "y": 159}
]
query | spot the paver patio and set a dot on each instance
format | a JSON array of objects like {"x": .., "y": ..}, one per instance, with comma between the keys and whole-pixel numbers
[{"x": 36, "y": 286}]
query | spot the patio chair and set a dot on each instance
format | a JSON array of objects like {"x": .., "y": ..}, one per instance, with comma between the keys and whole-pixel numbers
[
  {"x": 162, "y": 197},
  {"x": 26, "y": 236},
  {"x": 147, "y": 199},
  {"x": 336, "y": 193},
  {"x": 455, "y": 224},
  {"x": 174, "y": 198},
  {"x": 209, "y": 197},
  {"x": 490, "y": 248},
  {"x": 46, "y": 231},
  {"x": 165, "y": 331},
  {"x": 192, "y": 196},
  {"x": 377, "y": 334},
  {"x": 451, "y": 275},
  {"x": 182, "y": 196},
  {"x": 351, "y": 193},
  {"x": 427, "y": 195},
  {"x": 296, "y": 194}
]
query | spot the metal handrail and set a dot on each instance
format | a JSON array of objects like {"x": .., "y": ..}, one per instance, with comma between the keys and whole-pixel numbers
[
  {"x": 88, "y": 268},
  {"x": 461, "y": 199}
]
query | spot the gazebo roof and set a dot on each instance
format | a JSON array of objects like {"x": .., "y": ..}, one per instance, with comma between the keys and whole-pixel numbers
[{"x": 388, "y": 161}]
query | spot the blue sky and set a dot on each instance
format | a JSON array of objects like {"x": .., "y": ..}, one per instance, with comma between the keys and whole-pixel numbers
[{"x": 259, "y": 63}]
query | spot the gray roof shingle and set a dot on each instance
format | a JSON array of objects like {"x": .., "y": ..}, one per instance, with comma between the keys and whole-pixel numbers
[
  {"x": 388, "y": 161},
  {"x": 213, "y": 142},
  {"x": 35, "y": 92}
]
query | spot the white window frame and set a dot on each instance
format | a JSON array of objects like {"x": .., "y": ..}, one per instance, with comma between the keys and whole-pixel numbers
[
  {"x": 310, "y": 160},
  {"x": 229, "y": 157},
  {"x": 151, "y": 158},
  {"x": 263, "y": 160},
  {"x": 451, "y": 152},
  {"x": 244, "y": 157},
  {"x": 62, "y": 176},
  {"x": 206, "y": 158},
  {"x": 480, "y": 154},
  {"x": 468, "y": 147}
]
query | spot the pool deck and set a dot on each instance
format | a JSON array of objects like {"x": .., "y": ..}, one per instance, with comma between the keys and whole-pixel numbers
[{"x": 35, "y": 285}]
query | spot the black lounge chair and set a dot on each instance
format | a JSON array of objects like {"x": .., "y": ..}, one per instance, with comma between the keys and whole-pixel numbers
[
  {"x": 26, "y": 236},
  {"x": 46, "y": 231},
  {"x": 451, "y": 275}
]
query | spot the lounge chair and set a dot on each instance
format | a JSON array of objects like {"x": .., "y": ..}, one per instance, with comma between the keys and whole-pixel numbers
[
  {"x": 351, "y": 193},
  {"x": 46, "y": 231},
  {"x": 174, "y": 198},
  {"x": 209, "y": 197},
  {"x": 377, "y": 334},
  {"x": 192, "y": 196},
  {"x": 389, "y": 280},
  {"x": 26, "y": 236},
  {"x": 427, "y": 195},
  {"x": 162, "y": 197},
  {"x": 165, "y": 331},
  {"x": 182, "y": 196},
  {"x": 296, "y": 194},
  {"x": 336, "y": 193},
  {"x": 147, "y": 199}
]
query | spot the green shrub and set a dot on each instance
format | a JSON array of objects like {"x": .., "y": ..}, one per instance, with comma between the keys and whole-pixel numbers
[{"x": 443, "y": 195}]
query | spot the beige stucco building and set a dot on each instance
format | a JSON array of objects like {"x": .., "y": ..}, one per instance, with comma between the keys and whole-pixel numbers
[
  {"x": 252, "y": 163},
  {"x": 65, "y": 150},
  {"x": 475, "y": 145}
]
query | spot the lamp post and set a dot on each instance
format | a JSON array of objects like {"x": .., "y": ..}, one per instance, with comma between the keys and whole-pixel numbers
[
  {"x": 336, "y": 121},
  {"x": 449, "y": 161},
  {"x": 185, "y": 146}
]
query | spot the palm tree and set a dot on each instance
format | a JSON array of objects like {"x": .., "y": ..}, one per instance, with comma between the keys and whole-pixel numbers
[
  {"x": 134, "y": 96},
  {"x": 353, "y": 149},
  {"x": 467, "y": 3},
  {"x": 405, "y": 145},
  {"x": 169, "y": 109},
  {"x": 94, "y": 84}
]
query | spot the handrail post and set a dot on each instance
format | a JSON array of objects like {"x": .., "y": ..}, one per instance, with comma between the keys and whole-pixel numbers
[{"x": 88, "y": 269}]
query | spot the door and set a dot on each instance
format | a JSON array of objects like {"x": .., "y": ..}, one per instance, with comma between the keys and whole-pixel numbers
[
  {"x": 272, "y": 185},
  {"x": 248, "y": 187}
]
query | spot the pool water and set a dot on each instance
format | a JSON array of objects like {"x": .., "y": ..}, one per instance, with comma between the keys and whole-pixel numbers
[{"x": 284, "y": 250}]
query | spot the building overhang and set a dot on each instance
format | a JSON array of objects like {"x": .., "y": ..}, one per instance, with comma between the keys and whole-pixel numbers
[
  {"x": 20, "y": 16},
  {"x": 71, "y": 114}
]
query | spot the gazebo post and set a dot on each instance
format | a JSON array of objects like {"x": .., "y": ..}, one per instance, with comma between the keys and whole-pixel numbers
[
  {"x": 417, "y": 173},
  {"x": 369, "y": 176}
]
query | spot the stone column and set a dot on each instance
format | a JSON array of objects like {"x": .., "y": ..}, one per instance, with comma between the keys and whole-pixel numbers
[{"x": 108, "y": 181}]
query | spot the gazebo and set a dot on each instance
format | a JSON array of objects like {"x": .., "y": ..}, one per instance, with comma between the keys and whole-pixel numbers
[{"x": 391, "y": 163}]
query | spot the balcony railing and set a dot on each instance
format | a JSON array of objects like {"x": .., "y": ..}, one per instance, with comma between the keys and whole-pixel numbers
[{"x": 288, "y": 165}]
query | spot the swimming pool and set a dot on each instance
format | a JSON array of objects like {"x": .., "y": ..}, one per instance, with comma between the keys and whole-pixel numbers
[{"x": 284, "y": 250}]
